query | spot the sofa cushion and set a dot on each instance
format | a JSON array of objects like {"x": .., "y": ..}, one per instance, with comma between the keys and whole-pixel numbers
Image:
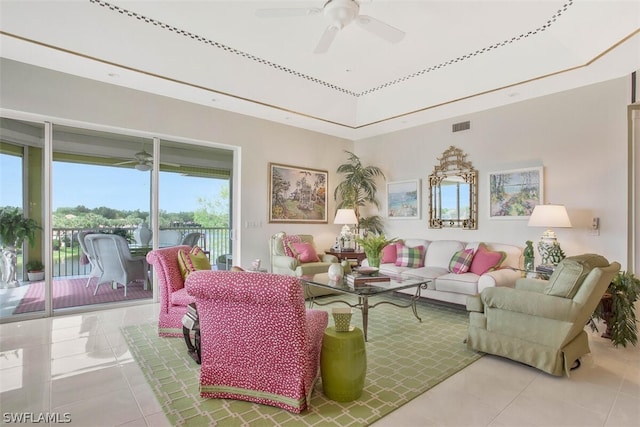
[
  {"x": 425, "y": 272},
  {"x": 461, "y": 261},
  {"x": 287, "y": 241},
  {"x": 466, "y": 283},
  {"x": 181, "y": 298},
  {"x": 571, "y": 272},
  {"x": 485, "y": 260},
  {"x": 192, "y": 260},
  {"x": 440, "y": 252},
  {"x": 410, "y": 257},
  {"x": 304, "y": 252},
  {"x": 390, "y": 253}
]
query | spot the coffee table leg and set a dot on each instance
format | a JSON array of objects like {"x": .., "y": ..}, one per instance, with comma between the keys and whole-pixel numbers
[{"x": 364, "y": 303}]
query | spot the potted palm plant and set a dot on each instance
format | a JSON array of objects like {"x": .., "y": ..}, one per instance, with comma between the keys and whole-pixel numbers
[
  {"x": 35, "y": 270},
  {"x": 617, "y": 309},
  {"x": 15, "y": 228},
  {"x": 373, "y": 245},
  {"x": 358, "y": 189}
]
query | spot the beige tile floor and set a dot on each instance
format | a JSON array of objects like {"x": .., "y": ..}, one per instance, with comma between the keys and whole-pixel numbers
[{"x": 80, "y": 365}]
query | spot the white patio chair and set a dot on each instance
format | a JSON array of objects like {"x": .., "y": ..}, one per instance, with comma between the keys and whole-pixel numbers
[
  {"x": 169, "y": 238},
  {"x": 96, "y": 271},
  {"x": 115, "y": 261},
  {"x": 191, "y": 239}
]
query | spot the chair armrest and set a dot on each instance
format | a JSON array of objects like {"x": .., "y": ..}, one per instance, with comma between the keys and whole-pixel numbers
[
  {"x": 329, "y": 258},
  {"x": 500, "y": 277},
  {"x": 284, "y": 261},
  {"x": 474, "y": 303},
  {"x": 532, "y": 303},
  {"x": 532, "y": 285}
]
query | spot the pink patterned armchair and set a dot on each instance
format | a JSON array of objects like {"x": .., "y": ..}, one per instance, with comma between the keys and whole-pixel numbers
[
  {"x": 259, "y": 343},
  {"x": 173, "y": 295}
]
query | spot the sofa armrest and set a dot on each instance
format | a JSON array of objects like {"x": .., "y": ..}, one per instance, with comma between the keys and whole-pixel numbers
[
  {"x": 283, "y": 261},
  {"x": 531, "y": 285},
  {"x": 532, "y": 303},
  {"x": 501, "y": 277}
]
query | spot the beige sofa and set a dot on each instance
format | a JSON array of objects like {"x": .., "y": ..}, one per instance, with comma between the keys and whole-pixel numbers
[{"x": 447, "y": 286}]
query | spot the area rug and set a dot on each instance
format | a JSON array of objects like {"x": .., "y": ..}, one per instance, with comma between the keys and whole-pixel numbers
[
  {"x": 74, "y": 293},
  {"x": 405, "y": 358}
]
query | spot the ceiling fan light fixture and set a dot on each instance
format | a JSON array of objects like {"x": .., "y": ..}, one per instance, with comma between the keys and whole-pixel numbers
[{"x": 143, "y": 167}]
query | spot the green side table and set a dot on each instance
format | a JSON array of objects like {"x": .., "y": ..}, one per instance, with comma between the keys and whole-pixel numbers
[{"x": 343, "y": 364}]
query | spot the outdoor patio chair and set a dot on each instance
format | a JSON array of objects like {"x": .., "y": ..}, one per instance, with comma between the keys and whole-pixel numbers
[
  {"x": 258, "y": 341},
  {"x": 191, "y": 239},
  {"x": 96, "y": 271},
  {"x": 115, "y": 261},
  {"x": 169, "y": 238}
]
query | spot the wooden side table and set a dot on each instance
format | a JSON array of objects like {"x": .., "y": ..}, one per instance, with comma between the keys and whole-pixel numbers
[{"x": 348, "y": 255}]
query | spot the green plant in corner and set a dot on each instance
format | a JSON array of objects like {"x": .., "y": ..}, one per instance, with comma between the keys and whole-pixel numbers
[
  {"x": 617, "y": 309},
  {"x": 358, "y": 189},
  {"x": 35, "y": 265},
  {"x": 373, "y": 245},
  {"x": 15, "y": 228}
]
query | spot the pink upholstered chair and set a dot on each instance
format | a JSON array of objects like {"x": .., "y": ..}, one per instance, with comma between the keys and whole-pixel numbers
[
  {"x": 173, "y": 295},
  {"x": 259, "y": 343}
]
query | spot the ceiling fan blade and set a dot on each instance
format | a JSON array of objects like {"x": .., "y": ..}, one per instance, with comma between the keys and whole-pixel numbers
[
  {"x": 380, "y": 29},
  {"x": 327, "y": 38},
  {"x": 284, "y": 12},
  {"x": 125, "y": 163},
  {"x": 175, "y": 165}
]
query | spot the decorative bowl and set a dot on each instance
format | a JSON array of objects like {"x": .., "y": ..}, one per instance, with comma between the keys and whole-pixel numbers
[{"x": 367, "y": 271}]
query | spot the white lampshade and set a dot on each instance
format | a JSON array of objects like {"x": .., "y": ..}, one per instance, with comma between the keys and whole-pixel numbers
[
  {"x": 549, "y": 216},
  {"x": 345, "y": 216}
]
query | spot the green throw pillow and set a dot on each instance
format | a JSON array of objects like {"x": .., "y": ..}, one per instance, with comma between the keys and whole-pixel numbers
[
  {"x": 571, "y": 272},
  {"x": 193, "y": 260}
]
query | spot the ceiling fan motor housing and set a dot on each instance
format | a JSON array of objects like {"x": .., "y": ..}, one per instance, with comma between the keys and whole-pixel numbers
[{"x": 341, "y": 12}]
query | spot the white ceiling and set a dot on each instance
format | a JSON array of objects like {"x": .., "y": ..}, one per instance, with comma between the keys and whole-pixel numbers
[{"x": 456, "y": 57}]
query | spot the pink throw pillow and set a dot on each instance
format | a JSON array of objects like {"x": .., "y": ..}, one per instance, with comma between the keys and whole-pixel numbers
[
  {"x": 287, "y": 241},
  {"x": 389, "y": 254},
  {"x": 485, "y": 260},
  {"x": 305, "y": 252},
  {"x": 410, "y": 257},
  {"x": 461, "y": 261}
]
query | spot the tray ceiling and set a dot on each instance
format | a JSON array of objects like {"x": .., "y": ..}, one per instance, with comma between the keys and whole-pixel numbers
[{"x": 456, "y": 57}]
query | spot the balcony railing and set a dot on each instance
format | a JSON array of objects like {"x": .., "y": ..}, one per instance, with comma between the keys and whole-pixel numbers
[{"x": 67, "y": 254}]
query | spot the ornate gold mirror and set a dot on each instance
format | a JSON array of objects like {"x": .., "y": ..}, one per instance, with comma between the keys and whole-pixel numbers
[{"x": 453, "y": 192}]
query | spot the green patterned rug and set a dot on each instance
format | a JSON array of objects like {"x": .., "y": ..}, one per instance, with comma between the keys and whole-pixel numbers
[{"x": 405, "y": 358}]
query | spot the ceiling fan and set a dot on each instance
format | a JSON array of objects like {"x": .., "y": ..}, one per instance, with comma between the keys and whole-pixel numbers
[
  {"x": 143, "y": 161},
  {"x": 339, "y": 13}
]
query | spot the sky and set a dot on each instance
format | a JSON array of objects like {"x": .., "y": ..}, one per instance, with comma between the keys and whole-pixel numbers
[{"x": 118, "y": 188}]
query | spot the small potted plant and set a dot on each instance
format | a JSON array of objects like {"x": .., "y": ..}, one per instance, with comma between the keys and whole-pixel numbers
[
  {"x": 15, "y": 228},
  {"x": 35, "y": 270},
  {"x": 373, "y": 245},
  {"x": 617, "y": 310}
]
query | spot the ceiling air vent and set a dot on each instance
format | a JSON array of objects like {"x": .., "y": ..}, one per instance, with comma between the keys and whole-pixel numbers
[{"x": 457, "y": 127}]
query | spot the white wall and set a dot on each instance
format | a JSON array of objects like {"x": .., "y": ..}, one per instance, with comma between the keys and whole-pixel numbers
[
  {"x": 65, "y": 99},
  {"x": 579, "y": 136}
]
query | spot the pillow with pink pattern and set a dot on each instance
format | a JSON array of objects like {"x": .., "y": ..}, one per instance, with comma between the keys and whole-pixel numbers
[
  {"x": 304, "y": 252},
  {"x": 286, "y": 242}
]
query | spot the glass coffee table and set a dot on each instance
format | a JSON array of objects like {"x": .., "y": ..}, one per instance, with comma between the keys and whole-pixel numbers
[{"x": 364, "y": 291}]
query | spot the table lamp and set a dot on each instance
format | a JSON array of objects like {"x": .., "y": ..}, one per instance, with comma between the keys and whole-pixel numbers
[
  {"x": 549, "y": 216},
  {"x": 347, "y": 217}
]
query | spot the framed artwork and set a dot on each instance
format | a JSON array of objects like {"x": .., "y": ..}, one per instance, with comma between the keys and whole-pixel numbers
[
  {"x": 403, "y": 199},
  {"x": 514, "y": 193},
  {"x": 297, "y": 195}
]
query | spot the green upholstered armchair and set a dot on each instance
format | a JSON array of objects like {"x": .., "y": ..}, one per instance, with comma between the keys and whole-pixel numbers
[{"x": 541, "y": 323}]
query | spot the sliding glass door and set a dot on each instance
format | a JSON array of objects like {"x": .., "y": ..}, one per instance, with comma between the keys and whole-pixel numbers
[
  {"x": 21, "y": 185},
  {"x": 104, "y": 182}
]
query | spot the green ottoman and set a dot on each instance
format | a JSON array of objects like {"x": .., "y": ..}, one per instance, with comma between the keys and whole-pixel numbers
[{"x": 343, "y": 364}]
